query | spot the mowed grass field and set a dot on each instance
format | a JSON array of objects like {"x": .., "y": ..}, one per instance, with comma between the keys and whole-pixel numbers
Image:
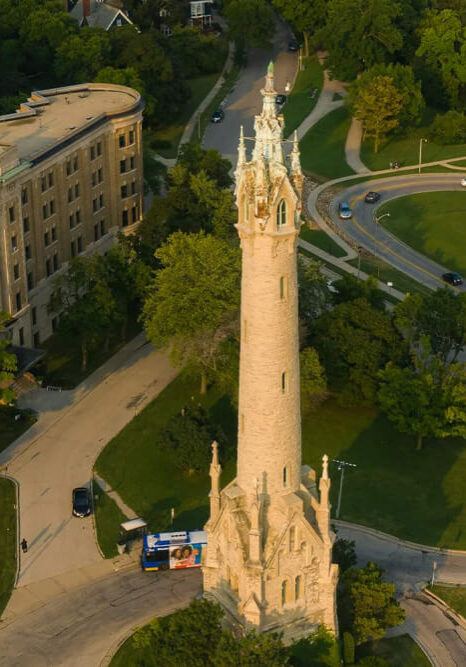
[
  {"x": 434, "y": 223},
  {"x": 323, "y": 147}
]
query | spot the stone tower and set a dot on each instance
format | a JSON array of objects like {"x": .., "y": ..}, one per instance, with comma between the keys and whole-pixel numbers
[{"x": 268, "y": 560}]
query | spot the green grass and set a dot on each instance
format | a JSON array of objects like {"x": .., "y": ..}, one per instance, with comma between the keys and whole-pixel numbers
[
  {"x": 108, "y": 518},
  {"x": 454, "y": 596},
  {"x": 323, "y": 147},
  {"x": 299, "y": 103},
  {"x": 8, "y": 540},
  {"x": 399, "y": 651},
  {"x": 386, "y": 273},
  {"x": 11, "y": 429},
  {"x": 433, "y": 224},
  {"x": 200, "y": 87},
  {"x": 322, "y": 240}
]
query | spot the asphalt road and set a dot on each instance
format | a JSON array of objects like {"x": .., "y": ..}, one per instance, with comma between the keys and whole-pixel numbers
[
  {"x": 78, "y": 629},
  {"x": 366, "y": 232},
  {"x": 245, "y": 100}
]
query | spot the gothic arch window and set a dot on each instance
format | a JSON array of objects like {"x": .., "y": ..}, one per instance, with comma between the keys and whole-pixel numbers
[
  {"x": 285, "y": 476},
  {"x": 281, "y": 214},
  {"x": 284, "y": 383},
  {"x": 285, "y": 591},
  {"x": 298, "y": 587},
  {"x": 292, "y": 537}
]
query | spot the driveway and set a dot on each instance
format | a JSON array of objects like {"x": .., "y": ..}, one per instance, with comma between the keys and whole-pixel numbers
[
  {"x": 245, "y": 101},
  {"x": 58, "y": 454}
]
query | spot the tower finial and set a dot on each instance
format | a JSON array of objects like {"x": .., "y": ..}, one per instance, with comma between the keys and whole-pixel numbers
[
  {"x": 270, "y": 68},
  {"x": 325, "y": 466},
  {"x": 241, "y": 148}
]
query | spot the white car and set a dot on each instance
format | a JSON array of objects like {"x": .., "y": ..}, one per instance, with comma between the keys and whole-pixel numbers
[{"x": 463, "y": 182}]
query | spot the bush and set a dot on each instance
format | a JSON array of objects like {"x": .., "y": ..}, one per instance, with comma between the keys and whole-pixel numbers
[
  {"x": 449, "y": 128},
  {"x": 348, "y": 648}
]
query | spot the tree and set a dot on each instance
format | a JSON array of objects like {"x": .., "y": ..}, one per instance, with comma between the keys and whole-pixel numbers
[
  {"x": 319, "y": 649},
  {"x": 194, "y": 299},
  {"x": 360, "y": 33},
  {"x": 348, "y": 648},
  {"x": 368, "y": 606},
  {"x": 344, "y": 554},
  {"x": 349, "y": 288},
  {"x": 443, "y": 48},
  {"x": 313, "y": 380},
  {"x": 79, "y": 57},
  {"x": 219, "y": 203},
  {"x": 306, "y": 17},
  {"x": 315, "y": 296},
  {"x": 250, "y": 22},
  {"x": 449, "y": 128},
  {"x": 8, "y": 363},
  {"x": 250, "y": 650},
  {"x": 378, "y": 105}
]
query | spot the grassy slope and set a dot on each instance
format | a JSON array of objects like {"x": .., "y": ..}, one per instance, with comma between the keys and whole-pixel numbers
[
  {"x": 9, "y": 429},
  {"x": 383, "y": 271},
  {"x": 398, "y": 652},
  {"x": 323, "y": 147},
  {"x": 433, "y": 224},
  {"x": 320, "y": 239},
  {"x": 8, "y": 540},
  {"x": 299, "y": 104},
  {"x": 389, "y": 490},
  {"x": 108, "y": 518},
  {"x": 455, "y": 597}
]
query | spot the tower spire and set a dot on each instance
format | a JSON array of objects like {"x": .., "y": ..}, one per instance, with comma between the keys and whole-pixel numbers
[
  {"x": 214, "y": 495},
  {"x": 241, "y": 149}
]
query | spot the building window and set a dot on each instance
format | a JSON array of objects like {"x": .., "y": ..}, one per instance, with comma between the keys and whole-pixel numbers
[
  {"x": 34, "y": 316},
  {"x": 122, "y": 166},
  {"x": 18, "y": 301},
  {"x": 292, "y": 537},
  {"x": 298, "y": 588},
  {"x": 46, "y": 239},
  {"x": 54, "y": 233},
  {"x": 283, "y": 383},
  {"x": 133, "y": 187},
  {"x": 21, "y": 336},
  {"x": 96, "y": 232},
  {"x": 92, "y": 152},
  {"x": 27, "y": 252},
  {"x": 284, "y": 592},
  {"x": 100, "y": 175},
  {"x": 124, "y": 218},
  {"x": 80, "y": 244},
  {"x": 52, "y": 206},
  {"x": 132, "y": 162},
  {"x": 102, "y": 227},
  {"x": 11, "y": 213},
  {"x": 78, "y": 216},
  {"x": 70, "y": 195},
  {"x": 282, "y": 287},
  {"x": 101, "y": 201},
  {"x": 99, "y": 148},
  {"x": 26, "y": 225},
  {"x": 55, "y": 262},
  {"x": 76, "y": 190},
  {"x": 94, "y": 205},
  {"x": 30, "y": 280},
  {"x": 68, "y": 168},
  {"x": 94, "y": 178},
  {"x": 14, "y": 244},
  {"x": 124, "y": 191},
  {"x": 281, "y": 214},
  {"x": 50, "y": 179},
  {"x": 121, "y": 141},
  {"x": 285, "y": 476},
  {"x": 73, "y": 249},
  {"x": 24, "y": 196},
  {"x": 75, "y": 163},
  {"x": 134, "y": 213},
  {"x": 16, "y": 271},
  {"x": 131, "y": 137},
  {"x": 71, "y": 221},
  {"x": 36, "y": 339},
  {"x": 43, "y": 184},
  {"x": 44, "y": 211}
]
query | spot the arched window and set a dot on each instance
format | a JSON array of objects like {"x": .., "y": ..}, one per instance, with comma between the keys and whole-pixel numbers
[
  {"x": 298, "y": 588},
  {"x": 292, "y": 538},
  {"x": 283, "y": 383},
  {"x": 281, "y": 214},
  {"x": 284, "y": 592}
]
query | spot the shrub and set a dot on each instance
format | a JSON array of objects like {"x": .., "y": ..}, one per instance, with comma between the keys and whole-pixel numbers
[
  {"x": 449, "y": 128},
  {"x": 348, "y": 648}
]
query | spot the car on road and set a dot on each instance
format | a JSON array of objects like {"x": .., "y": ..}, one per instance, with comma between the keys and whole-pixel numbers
[
  {"x": 463, "y": 182},
  {"x": 344, "y": 210},
  {"x": 452, "y": 278},
  {"x": 81, "y": 502},
  {"x": 217, "y": 116},
  {"x": 372, "y": 197},
  {"x": 293, "y": 46},
  {"x": 280, "y": 100}
]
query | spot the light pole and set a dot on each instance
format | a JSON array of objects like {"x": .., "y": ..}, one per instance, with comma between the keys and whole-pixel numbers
[
  {"x": 421, "y": 141},
  {"x": 341, "y": 467}
]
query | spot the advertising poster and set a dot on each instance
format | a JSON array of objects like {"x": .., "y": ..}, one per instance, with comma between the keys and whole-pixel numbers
[{"x": 185, "y": 555}]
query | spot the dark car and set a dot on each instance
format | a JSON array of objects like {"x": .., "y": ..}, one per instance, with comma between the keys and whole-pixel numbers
[
  {"x": 453, "y": 278},
  {"x": 293, "y": 45},
  {"x": 280, "y": 99},
  {"x": 344, "y": 210},
  {"x": 372, "y": 197},
  {"x": 217, "y": 116},
  {"x": 81, "y": 502}
]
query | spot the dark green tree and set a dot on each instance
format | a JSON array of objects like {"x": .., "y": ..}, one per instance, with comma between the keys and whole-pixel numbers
[
  {"x": 314, "y": 293},
  {"x": 79, "y": 57},
  {"x": 250, "y": 22},
  {"x": 8, "y": 362},
  {"x": 305, "y": 17},
  {"x": 344, "y": 554},
  {"x": 312, "y": 377}
]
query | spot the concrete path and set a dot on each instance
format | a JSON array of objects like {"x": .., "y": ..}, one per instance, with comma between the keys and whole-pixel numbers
[
  {"x": 58, "y": 453},
  {"x": 353, "y": 148},
  {"x": 106, "y": 488}
]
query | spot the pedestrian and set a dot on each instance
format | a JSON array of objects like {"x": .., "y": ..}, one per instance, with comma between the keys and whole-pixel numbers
[
  {"x": 24, "y": 545},
  {"x": 287, "y": 87}
]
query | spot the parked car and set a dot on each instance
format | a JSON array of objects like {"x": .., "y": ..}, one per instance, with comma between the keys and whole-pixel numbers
[
  {"x": 280, "y": 99},
  {"x": 217, "y": 116},
  {"x": 293, "y": 45},
  {"x": 453, "y": 278},
  {"x": 344, "y": 211},
  {"x": 372, "y": 197},
  {"x": 81, "y": 502},
  {"x": 463, "y": 182}
]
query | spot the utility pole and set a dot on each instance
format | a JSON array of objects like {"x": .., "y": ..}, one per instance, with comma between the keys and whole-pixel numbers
[
  {"x": 342, "y": 465},
  {"x": 421, "y": 141}
]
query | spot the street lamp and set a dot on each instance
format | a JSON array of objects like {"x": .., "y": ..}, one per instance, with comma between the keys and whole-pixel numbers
[
  {"x": 341, "y": 467},
  {"x": 421, "y": 141}
]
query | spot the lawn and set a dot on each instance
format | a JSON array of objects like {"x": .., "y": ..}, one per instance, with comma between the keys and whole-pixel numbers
[
  {"x": 454, "y": 596},
  {"x": 8, "y": 540},
  {"x": 299, "y": 103},
  {"x": 11, "y": 429},
  {"x": 171, "y": 134},
  {"x": 322, "y": 240},
  {"x": 386, "y": 273},
  {"x": 399, "y": 651},
  {"x": 389, "y": 490},
  {"x": 323, "y": 147},
  {"x": 433, "y": 224},
  {"x": 108, "y": 518}
]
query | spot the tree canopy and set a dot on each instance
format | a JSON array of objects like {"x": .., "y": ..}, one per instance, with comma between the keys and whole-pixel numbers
[{"x": 8, "y": 362}]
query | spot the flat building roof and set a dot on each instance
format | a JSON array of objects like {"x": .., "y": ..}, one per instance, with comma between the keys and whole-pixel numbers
[{"x": 50, "y": 116}]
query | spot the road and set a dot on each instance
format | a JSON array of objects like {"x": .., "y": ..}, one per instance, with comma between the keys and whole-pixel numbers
[
  {"x": 364, "y": 231},
  {"x": 80, "y": 627},
  {"x": 245, "y": 100}
]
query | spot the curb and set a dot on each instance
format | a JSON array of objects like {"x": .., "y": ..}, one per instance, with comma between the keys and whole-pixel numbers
[
  {"x": 397, "y": 540},
  {"x": 439, "y": 602}
]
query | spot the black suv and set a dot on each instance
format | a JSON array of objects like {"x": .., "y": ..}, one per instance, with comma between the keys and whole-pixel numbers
[{"x": 81, "y": 502}]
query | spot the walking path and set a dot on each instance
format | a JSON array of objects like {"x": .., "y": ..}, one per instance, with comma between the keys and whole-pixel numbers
[
  {"x": 115, "y": 496},
  {"x": 353, "y": 148}
]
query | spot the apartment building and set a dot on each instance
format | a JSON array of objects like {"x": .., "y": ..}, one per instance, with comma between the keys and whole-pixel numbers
[{"x": 71, "y": 178}]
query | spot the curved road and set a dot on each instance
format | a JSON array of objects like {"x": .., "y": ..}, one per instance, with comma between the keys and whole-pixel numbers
[{"x": 366, "y": 232}]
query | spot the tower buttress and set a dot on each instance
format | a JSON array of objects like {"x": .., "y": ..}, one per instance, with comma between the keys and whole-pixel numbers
[{"x": 214, "y": 495}]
